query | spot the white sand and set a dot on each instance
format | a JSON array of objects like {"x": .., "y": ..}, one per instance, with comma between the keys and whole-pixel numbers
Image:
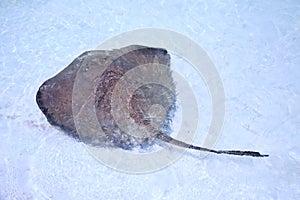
[{"x": 255, "y": 47}]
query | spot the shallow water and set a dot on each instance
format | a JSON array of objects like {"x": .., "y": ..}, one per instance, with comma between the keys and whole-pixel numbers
[{"x": 255, "y": 47}]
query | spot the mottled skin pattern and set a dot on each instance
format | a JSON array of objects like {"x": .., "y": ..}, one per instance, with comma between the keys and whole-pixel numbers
[{"x": 141, "y": 100}]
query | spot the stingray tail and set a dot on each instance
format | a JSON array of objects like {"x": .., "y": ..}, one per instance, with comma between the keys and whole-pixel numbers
[{"x": 173, "y": 141}]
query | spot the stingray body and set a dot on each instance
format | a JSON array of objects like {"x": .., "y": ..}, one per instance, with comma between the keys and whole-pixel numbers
[{"x": 55, "y": 95}]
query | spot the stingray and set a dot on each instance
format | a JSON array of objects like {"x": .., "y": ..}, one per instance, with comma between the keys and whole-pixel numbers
[{"x": 54, "y": 99}]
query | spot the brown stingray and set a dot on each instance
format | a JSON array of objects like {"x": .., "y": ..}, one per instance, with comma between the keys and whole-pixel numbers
[{"x": 54, "y": 98}]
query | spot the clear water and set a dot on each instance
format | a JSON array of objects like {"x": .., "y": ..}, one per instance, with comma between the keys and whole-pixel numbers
[{"x": 255, "y": 46}]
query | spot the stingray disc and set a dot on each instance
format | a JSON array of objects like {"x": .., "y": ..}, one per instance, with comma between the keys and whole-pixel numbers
[{"x": 120, "y": 67}]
